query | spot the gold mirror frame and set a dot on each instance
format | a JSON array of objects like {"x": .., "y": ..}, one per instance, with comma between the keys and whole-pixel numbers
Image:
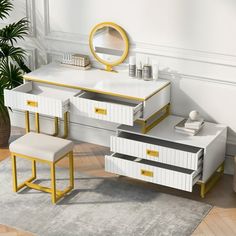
[{"x": 124, "y": 37}]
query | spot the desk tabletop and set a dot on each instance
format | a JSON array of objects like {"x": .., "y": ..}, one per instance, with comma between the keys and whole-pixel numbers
[
  {"x": 96, "y": 80},
  {"x": 165, "y": 131}
]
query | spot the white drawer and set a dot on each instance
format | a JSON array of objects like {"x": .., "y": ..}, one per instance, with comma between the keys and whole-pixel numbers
[
  {"x": 40, "y": 98},
  {"x": 157, "y": 150},
  {"x": 104, "y": 107},
  {"x": 154, "y": 172}
]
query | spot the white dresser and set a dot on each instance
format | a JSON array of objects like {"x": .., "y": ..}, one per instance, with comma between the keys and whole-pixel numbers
[
  {"x": 114, "y": 97},
  {"x": 163, "y": 156}
]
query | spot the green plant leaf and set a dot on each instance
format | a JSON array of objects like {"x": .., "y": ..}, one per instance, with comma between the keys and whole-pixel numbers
[
  {"x": 5, "y": 7},
  {"x": 12, "y": 32},
  {"x": 15, "y": 53},
  {"x": 11, "y": 75}
]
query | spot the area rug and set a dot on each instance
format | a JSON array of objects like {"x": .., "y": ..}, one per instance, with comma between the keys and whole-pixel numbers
[{"x": 97, "y": 206}]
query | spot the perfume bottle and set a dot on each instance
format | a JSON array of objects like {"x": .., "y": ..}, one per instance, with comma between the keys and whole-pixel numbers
[
  {"x": 147, "y": 70},
  {"x": 132, "y": 66},
  {"x": 139, "y": 71}
]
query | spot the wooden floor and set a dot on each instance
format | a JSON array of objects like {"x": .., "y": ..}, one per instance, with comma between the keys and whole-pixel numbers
[{"x": 89, "y": 158}]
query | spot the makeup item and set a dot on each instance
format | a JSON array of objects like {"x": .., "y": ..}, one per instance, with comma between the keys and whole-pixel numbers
[
  {"x": 139, "y": 71},
  {"x": 147, "y": 70},
  {"x": 132, "y": 66},
  {"x": 155, "y": 71}
]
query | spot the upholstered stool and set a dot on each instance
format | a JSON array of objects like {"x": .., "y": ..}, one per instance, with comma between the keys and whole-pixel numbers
[{"x": 42, "y": 148}]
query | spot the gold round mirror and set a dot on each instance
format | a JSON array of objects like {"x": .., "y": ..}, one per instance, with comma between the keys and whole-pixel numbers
[{"x": 109, "y": 44}]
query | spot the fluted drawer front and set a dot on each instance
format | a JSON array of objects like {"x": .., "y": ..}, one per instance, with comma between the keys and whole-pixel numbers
[
  {"x": 105, "y": 108},
  {"x": 153, "y": 172},
  {"x": 21, "y": 98},
  {"x": 157, "y": 153}
]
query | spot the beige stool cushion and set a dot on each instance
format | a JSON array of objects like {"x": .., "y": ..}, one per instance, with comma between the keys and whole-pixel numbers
[{"x": 41, "y": 146}]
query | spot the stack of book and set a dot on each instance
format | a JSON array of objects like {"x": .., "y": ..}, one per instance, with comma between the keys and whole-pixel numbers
[{"x": 189, "y": 127}]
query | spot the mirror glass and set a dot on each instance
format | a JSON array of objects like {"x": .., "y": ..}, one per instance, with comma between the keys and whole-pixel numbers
[{"x": 108, "y": 44}]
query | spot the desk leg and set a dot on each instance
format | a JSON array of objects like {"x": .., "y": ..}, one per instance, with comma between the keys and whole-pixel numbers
[
  {"x": 27, "y": 122},
  {"x": 66, "y": 125},
  {"x": 151, "y": 122},
  {"x": 206, "y": 187}
]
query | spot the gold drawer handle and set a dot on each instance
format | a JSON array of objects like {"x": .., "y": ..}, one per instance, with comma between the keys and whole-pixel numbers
[
  {"x": 152, "y": 153},
  {"x": 146, "y": 173},
  {"x": 32, "y": 103},
  {"x": 101, "y": 111}
]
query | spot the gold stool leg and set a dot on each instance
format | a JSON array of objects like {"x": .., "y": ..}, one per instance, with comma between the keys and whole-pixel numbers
[
  {"x": 34, "y": 175},
  {"x": 14, "y": 172},
  {"x": 37, "y": 128},
  {"x": 71, "y": 168},
  {"x": 27, "y": 122},
  {"x": 53, "y": 183},
  {"x": 56, "y": 124},
  {"x": 66, "y": 125}
]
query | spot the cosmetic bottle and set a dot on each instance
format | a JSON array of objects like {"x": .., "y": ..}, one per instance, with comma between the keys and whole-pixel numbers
[
  {"x": 147, "y": 70},
  {"x": 139, "y": 71},
  {"x": 155, "y": 71},
  {"x": 132, "y": 66}
]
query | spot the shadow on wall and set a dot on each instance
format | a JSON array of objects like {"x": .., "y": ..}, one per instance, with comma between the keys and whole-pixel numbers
[{"x": 212, "y": 99}]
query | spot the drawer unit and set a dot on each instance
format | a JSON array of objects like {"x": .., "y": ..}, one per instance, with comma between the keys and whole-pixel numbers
[
  {"x": 157, "y": 150},
  {"x": 43, "y": 99},
  {"x": 154, "y": 172},
  {"x": 104, "y": 107}
]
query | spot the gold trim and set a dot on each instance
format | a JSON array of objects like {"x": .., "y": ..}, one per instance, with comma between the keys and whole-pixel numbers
[
  {"x": 32, "y": 103},
  {"x": 153, "y": 94},
  {"x": 86, "y": 89},
  {"x": 100, "y": 111},
  {"x": 152, "y": 153},
  {"x": 146, "y": 173},
  {"x": 108, "y": 64}
]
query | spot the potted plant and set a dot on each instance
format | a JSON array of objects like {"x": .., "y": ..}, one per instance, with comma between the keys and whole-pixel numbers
[{"x": 12, "y": 66}]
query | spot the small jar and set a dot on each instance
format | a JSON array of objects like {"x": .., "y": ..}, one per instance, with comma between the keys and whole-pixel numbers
[{"x": 139, "y": 72}]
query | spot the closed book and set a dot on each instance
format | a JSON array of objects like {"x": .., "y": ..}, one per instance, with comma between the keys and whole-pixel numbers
[
  {"x": 180, "y": 127},
  {"x": 196, "y": 124}
]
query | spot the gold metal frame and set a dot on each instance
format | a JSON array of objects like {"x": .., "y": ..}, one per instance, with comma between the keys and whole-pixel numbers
[
  {"x": 55, "y": 194},
  {"x": 56, "y": 124},
  {"x": 206, "y": 187},
  {"x": 151, "y": 122},
  {"x": 124, "y": 37}
]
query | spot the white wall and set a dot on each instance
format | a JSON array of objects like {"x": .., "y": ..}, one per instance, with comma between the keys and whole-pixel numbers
[{"x": 194, "y": 40}]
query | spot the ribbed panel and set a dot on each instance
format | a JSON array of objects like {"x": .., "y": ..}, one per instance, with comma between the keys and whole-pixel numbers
[
  {"x": 46, "y": 106},
  {"x": 161, "y": 176},
  {"x": 115, "y": 113},
  {"x": 166, "y": 155}
]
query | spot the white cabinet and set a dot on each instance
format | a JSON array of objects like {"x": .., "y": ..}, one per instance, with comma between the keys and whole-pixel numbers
[
  {"x": 158, "y": 173},
  {"x": 39, "y": 98},
  {"x": 165, "y": 157},
  {"x": 157, "y": 150},
  {"x": 104, "y": 107}
]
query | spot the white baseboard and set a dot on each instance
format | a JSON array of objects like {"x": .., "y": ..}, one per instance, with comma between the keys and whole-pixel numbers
[{"x": 96, "y": 132}]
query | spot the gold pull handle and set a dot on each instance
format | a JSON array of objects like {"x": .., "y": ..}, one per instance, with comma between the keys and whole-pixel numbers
[
  {"x": 152, "y": 153},
  {"x": 32, "y": 103},
  {"x": 100, "y": 111},
  {"x": 146, "y": 173}
]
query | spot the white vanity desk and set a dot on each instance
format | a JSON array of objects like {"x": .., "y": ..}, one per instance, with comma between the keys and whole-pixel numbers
[{"x": 115, "y": 97}]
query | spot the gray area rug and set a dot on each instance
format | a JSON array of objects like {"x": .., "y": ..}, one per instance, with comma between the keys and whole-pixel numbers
[{"x": 97, "y": 206}]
